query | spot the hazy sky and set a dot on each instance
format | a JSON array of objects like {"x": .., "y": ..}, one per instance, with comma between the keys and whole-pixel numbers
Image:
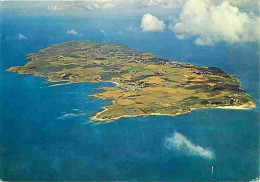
[{"x": 209, "y": 21}]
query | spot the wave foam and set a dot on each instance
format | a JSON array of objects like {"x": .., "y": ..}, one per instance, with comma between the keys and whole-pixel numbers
[{"x": 73, "y": 114}]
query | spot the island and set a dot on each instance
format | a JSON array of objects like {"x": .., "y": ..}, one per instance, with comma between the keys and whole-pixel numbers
[{"x": 145, "y": 85}]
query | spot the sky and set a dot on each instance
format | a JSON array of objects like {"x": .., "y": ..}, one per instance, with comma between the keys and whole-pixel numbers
[{"x": 208, "y": 21}]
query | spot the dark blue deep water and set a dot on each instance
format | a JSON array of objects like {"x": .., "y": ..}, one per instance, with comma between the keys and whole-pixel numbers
[{"x": 45, "y": 132}]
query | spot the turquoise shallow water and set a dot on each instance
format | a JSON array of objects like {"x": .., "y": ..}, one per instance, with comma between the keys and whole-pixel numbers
[{"x": 46, "y": 133}]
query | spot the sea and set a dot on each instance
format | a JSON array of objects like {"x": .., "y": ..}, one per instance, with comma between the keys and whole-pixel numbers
[{"x": 46, "y": 133}]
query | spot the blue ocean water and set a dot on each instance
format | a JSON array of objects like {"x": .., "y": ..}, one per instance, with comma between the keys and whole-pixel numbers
[{"x": 46, "y": 133}]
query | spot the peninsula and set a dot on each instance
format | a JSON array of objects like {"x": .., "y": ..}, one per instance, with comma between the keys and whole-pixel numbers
[{"x": 145, "y": 84}]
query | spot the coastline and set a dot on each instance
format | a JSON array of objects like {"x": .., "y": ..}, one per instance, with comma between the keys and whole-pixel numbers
[
  {"x": 96, "y": 119},
  {"x": 241, "y": 107}
]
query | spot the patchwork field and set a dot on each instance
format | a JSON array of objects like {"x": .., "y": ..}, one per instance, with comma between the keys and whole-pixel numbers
[{"x": 145, "y": 85}]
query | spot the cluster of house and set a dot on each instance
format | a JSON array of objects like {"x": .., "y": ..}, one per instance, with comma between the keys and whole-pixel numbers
[{"x": 133, "y": 86}]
